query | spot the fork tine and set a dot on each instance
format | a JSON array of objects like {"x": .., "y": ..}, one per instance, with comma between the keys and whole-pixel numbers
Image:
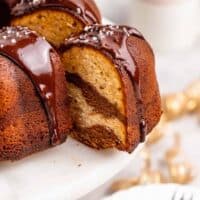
[
  {"x": 174, "y": 196},
  {"x": 191, "y": 198},
  {"x": 182, "y": 198}
]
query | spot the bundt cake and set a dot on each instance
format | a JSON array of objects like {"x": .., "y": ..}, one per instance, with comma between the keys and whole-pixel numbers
[
  {"x": 33, "y": 100},
  {"x": 54, "y": 19},
  {"x": 112, "y": 86}
]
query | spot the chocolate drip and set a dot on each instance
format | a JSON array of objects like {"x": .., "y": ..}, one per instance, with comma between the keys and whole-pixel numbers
[
  {"x": 32, "y": 54},
  {"x": 112, "y": 41},
  {"x": 4, "y": 16},
  {"x": 84, "y": 10}
]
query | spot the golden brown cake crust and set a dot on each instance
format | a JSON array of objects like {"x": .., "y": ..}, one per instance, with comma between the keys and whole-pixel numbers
[
  {"x": 134, "y": 60},
  {"x": 25, "y": 126}
]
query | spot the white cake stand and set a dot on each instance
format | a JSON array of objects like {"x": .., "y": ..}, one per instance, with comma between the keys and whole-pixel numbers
[{"x": 66, "y": 172}]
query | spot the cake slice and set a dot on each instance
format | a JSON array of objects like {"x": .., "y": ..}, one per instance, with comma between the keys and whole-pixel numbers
[
  {"x": 54, "y": 19},
  {"x": 33, "y": 100},
  {"x": 115, "y": 100}
]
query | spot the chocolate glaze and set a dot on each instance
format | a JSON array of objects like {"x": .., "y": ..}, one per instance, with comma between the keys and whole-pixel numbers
[
  {"x": 4, "y": 14},
  {"x": 84, "y": 10},
  {"x": 32, "y": 54},
  {"x": 112, "y": 41}
]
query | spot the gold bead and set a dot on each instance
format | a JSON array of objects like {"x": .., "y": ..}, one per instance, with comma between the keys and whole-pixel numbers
[
  {"x": 175, "y": 150},
  {"x": 181, "y": 173},
  {"x": 192, "y": 105},
  {"x": 151, "y": 177},
  {"x": 193, "y": 95},
  {"x": 174, "y": 105}
]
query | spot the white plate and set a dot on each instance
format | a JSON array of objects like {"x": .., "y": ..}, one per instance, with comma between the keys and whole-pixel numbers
[
  {"x": 66, "y": 172},
  {"x": 157, "y": 192}
]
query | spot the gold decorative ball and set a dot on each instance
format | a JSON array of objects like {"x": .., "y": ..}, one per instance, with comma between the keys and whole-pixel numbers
[
  {"x": 181, "y": 173},
  {"x": 193, "y": 95},
  {"x": 174, "y": 105}
]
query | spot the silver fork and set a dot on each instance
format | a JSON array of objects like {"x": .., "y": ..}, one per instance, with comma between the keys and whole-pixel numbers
[{"x": 182, "y": 197}]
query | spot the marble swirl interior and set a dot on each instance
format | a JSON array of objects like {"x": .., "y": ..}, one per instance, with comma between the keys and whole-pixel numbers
[{"x": 96, "y": 94}]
